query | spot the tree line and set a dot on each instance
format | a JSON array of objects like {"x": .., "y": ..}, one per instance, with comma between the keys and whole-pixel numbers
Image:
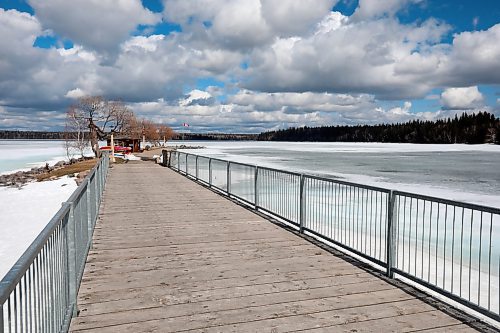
[
  {"x": 481, "y": 127},
  {"x": 30, "y": 135}
]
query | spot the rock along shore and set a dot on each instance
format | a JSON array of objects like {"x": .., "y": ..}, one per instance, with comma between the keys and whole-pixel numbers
[{"x": 20, "y": 178}]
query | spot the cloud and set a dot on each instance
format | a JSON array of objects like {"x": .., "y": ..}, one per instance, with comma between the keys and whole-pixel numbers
[
  {"x": 197, "y": 97},
  {"x": 76, "y": 93},
  {"x": 405, "y": 110},
  {"x": 101, "y": 25},
  {"x": 381, "y": 57},
  {"x": 474, "y": 58},
  {"x": 462, "y": 98},
  {"x": 294, "y": 18},
  {"x": 306, "y": 102},
  {"x": 369, "y": 9},
  {"x": 245, "y": 24},
  {"x": 29, "y": 76}
]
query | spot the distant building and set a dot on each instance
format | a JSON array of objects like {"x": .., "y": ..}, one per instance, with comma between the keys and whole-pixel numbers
[{"x": 126, "y": 141}]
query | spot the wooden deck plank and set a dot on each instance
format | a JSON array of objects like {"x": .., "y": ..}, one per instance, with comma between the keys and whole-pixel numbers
[{"x": 171, "y": 256}]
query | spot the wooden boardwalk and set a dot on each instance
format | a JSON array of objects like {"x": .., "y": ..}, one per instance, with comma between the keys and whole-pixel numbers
[{"x": 172, "y": 256}]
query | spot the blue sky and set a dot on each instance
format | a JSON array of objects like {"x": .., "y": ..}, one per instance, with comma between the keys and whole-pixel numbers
[{"x": 250, "y": 65}]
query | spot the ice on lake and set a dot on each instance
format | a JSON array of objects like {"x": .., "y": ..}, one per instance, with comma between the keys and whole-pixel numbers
[{"x": 469, "y": 173}]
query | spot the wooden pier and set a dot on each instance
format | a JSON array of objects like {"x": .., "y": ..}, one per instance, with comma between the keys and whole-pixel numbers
[{"x": 172, "y": 256}]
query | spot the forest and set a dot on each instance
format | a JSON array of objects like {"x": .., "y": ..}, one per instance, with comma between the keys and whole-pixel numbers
[{"x": 481, "y": 127}]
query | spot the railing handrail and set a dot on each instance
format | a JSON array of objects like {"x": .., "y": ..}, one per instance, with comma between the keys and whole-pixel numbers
[{"x": 467, "y": 205}]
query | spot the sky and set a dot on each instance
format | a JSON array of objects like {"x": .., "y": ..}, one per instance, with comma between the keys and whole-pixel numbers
[{"x": 247, "y": 66}]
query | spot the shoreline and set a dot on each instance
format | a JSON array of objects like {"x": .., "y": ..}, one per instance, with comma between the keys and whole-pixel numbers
[{"x": 74, "y": 167}]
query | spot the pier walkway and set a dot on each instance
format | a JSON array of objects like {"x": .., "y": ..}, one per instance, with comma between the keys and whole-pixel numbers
[{"x": 172, "y": 256}]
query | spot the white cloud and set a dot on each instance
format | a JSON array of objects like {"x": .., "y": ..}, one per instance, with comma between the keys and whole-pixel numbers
[
  {"x": 294, "y": 18},
  {"x": 76, "y": 93},
  {"x": 30, "y": 76},
  {"x": 405, "y": 110},
  {"x": 474, "y": 58},
  {"x": 356, "y": 57},
  {"x": 97, "y": 24},
  {"x": 462, "y": 98},
  {"x": 197, "y": 97},
  {"x": 306, "y": 102},
  {"x": 369, "y": 9},
  {"x": 332, "y": 21},
  {"x": 77, "y": 53},
  {"x": 149, "y": 43},
  {"x": 243, "y": 24}
]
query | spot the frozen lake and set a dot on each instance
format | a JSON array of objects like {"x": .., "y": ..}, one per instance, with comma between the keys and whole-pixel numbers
[
  {"x": 25, "y": 154},
  {"x": 469, "y": 173}
]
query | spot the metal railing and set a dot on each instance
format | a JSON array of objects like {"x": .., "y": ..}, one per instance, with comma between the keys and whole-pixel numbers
[
  {"x": 449, "y": 247},
  {"x": 39, "y": 293}
]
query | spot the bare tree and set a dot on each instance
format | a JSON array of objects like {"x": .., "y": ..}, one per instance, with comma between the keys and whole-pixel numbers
[
  {"x": 151, "y": 131},
  {"x": 76, "y": 138},
  {"x": 100, "y": 116},
  {"x": 166, "y": 133},
  {"x": 156, "y": 132}
]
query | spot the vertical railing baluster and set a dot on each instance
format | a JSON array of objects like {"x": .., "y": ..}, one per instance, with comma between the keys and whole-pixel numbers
[
  {"x": 210, "y": 172},
  {"x": 196, "y": 171},
  {"x": 302, "y": 209},
  {"x": 228, "y": 178},
  {"x": 256, "y": 187},
  {"x": 390, "y": 234},
  {"x": 89, "y": 213},
  {"x": 71, "y": 258},
  {"x": 1, "y": 319}
]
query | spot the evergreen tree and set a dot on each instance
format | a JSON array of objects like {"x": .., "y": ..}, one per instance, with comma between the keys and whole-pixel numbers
[{"x": 476, "y": 128}]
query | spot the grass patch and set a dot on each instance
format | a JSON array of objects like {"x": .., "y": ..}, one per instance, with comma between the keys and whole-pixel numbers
[{"x": 68, "y": 169}]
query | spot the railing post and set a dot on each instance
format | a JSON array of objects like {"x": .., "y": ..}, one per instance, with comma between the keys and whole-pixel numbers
[
  {"x": 228, "y": 178},
  {"x": 210, "y": 172},
  {"x": 165, "y": 157},
  {"x": 256, "y": 188},
  {"x": 99, "y": 181},
  {"x": 390, "y": 248},
  {"x": 302, "y": 205},
  {"x": 186, "y": 158},
  {"x": 71, "y": 268},
  {"x": 196, "y": 162},
  {"x": 96, "y": 191},
  {"x": 89, "y": 213},
  {"x": 1, "y": 319}
]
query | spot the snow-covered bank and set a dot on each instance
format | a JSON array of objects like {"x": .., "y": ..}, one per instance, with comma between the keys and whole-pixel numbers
[{"x": 25, "y": 212}]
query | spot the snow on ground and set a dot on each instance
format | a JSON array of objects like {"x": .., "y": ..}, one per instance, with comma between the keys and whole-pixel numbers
[{"x": 24, "y": 214}]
